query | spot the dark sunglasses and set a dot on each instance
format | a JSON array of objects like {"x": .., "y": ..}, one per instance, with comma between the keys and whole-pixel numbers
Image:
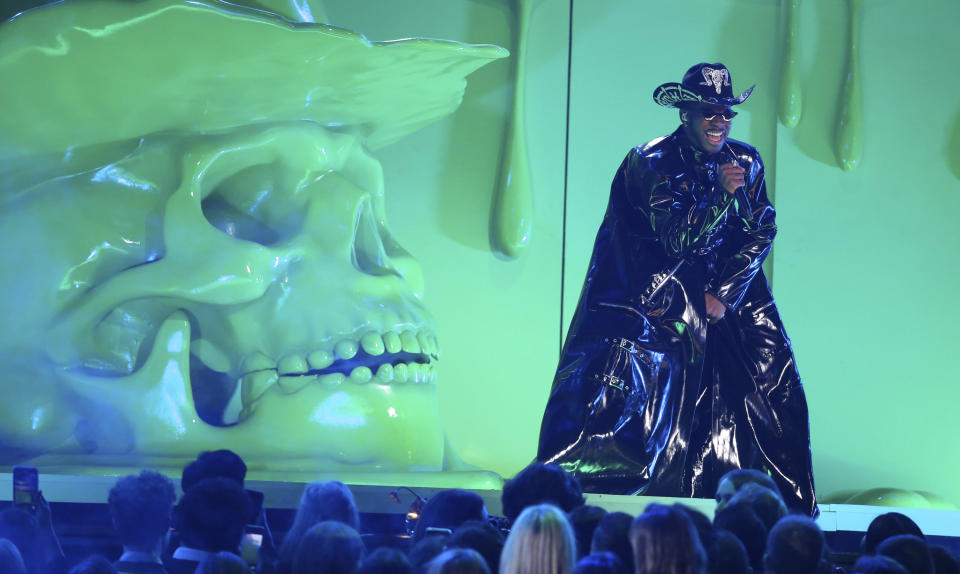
[{"x": 727, "y": 115}]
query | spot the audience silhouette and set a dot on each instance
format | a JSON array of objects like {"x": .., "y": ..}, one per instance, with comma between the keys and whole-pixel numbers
[
  {"x": 550, "y": 528},
  {"x": 330, "y": 547},
  {"x": 141, "y": 507},
  {"x": 665, "y": 541}
]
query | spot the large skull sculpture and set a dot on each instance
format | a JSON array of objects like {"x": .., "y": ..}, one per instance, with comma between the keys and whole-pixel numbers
[{"x": 202, "y": 261}]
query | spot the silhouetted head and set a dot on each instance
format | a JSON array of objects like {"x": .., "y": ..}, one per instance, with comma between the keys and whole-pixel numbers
[
  {"x": 732, "y": 481},
  {"x": 701, "y": 522},
  {"x": 20, "y": 527},
  {"x": 10, "y": 559},
  {"x": 211, "y": 515},
  {"x": 584, "y": 520},
  {"x": 449, "y": 509},
  {"x": 665, "y": 541},
  {"x": 386, "y": 560},
  {"x": 328, "y": 548},
  {"x": 141, "y": 506},
  {"x": 726, "y": 554},
  {"x": 795, "y": 545},
  {"x": 613, "y": 535},
  {"x": 876, "y": 564},
  {"x": 330, "y": 500},
  {"x": 599, "y": 563},
  {"x": 482, "y": 537},
  {"x": 766, "y": 503},
  {"x": 321, "y": 501},
  {"x": 886, "y": 525},
  {"x": 944, "y": 561},
  {"x": 458, "y": 561},
  {"x": 743, "y": 522},
  {"x": 223, "y": 563},
  {"x": 910, "y": 551},
  {"x": 541, "y": 484},
  {"x": 213, "y": 463},
  {"x": 426, "y": 549}
]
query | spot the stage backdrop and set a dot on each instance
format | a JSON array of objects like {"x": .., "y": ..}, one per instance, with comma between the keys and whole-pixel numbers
[
  {"x": 865, "y": 261},
  {"x": 864, "y": 264}
]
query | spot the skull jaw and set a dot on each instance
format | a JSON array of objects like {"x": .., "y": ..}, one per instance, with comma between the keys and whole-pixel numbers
[{"x": 149, "y": 416}]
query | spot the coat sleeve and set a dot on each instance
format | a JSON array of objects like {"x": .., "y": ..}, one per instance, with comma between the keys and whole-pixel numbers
[
  {"x": 683, "y": 223},
  {"x": 757, "y": 222}
]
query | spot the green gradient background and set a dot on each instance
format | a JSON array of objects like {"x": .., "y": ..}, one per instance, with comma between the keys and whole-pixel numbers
[{"x": 865, "y": 264}]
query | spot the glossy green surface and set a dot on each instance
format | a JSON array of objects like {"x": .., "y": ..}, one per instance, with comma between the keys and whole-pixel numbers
[
  {"x": 511, "y": 222},
  {"x": 296, "y": 10},
  {"x": 202, "y": 222},
  {"x": 881, "y": 385},
  {"x": 864, "y": 271},
  {"x": 497, "y": 319},
  {"x": 791, "y": 90},
  {"x": 871, "y": 242},
  {"x": 850, "y": 124},
  {"x": 901, "y": 498}
]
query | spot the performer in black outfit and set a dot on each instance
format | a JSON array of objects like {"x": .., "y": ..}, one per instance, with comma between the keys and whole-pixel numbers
[{"x": 677, "y": 368}]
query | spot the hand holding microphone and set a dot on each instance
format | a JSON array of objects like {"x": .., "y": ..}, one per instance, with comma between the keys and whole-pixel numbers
[{"x": 731, "y": 177}]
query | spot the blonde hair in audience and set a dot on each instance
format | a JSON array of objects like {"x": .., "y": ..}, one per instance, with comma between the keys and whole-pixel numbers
[{"x": 540, "y": 542}]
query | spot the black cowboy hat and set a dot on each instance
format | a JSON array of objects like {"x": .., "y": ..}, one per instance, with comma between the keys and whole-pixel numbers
[{"x": 703, "y": 83}]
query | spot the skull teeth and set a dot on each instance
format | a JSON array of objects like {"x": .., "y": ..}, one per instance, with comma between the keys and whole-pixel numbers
[
  {"x": 254, "y": 385},
  {"x": 294, "y": 372},
  {"x": 346, "y": 349},
  {"x": 391, "y": 341},
  {"x": 258, "y": 362},
  {"x": 409, "y": 342},
  {"x": 388, "y": 358},
  {"x": 290, "y": 385},
  {"x": 320, "y": 359},
  {"x": 292, "y": 365},
  {"x": 373, "y": 344},
  {"x": 361, "y": 375}
]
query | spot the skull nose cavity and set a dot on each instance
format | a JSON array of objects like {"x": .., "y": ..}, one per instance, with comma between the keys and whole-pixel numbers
[{"x": 368, "y": 254}]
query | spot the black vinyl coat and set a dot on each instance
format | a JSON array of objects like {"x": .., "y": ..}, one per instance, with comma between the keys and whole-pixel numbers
[{"x": 648, "y": 397}]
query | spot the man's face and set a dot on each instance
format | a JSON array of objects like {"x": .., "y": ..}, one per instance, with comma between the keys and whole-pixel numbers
[
  {"x": 725, "y": 490},
  {"x": 708, "y": 134}
]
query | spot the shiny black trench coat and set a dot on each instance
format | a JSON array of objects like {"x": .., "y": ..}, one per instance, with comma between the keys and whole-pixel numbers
[{"x": 650, "y": 399}]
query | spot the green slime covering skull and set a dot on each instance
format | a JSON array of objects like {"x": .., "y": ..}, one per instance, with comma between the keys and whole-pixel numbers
[{"x": 196, "y": 250}]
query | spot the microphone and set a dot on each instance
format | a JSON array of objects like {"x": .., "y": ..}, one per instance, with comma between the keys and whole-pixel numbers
[{"x": 741, "y": 192}]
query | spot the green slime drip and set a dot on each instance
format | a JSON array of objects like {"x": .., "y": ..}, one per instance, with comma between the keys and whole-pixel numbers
[
  {"x": 791, "y": 97},
  {"x": 511, "y": 219},
  {"x": 850, "y": 127}
]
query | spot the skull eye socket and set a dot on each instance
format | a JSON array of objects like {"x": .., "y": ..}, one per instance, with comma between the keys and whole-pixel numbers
[
  {"x": 237, "y": 223},
  {"x": 254, "y": 205}
]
